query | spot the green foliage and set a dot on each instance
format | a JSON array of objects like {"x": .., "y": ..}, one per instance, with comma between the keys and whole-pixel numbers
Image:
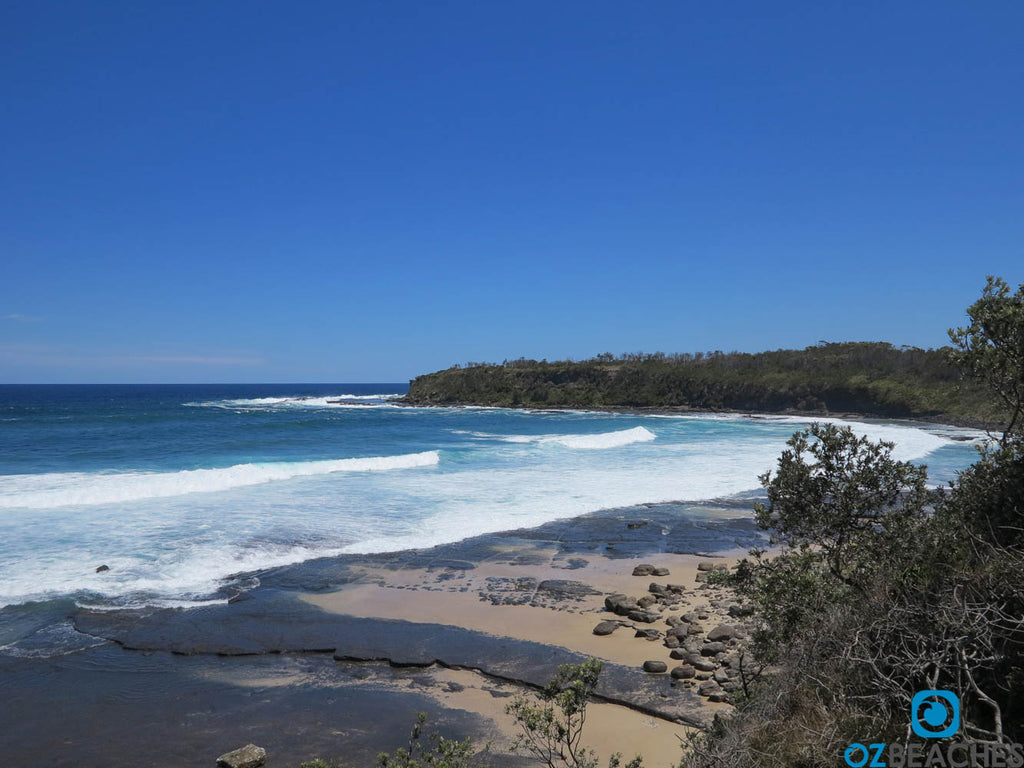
[
  {"x": 316, "y": 763},
  {"x": 551, "y": 723},
  {"x": 991, "y": 347},
  {"x": 844, "y": 496},
  {"x": 438, "y": 752},
  {"x": 858, "y": 377},
  {"x": 882, "y": 588}
]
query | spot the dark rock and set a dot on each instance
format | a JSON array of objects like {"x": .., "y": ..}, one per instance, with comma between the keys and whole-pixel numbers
[
  {"x": 657, "y": 589},
  {"x": 249, "y": 756},
  {"x": 606, "y": 628},
  {"x": 564, "y": 589},
  {"x": 719, "y": 698},
  {"x": 679, "y": 630},
  {"x": 655, "y": 666},
  {"x": 103, "y": 569},
  {"x": 620, "y": 604},
  {"x": 702, "y": 664},
  {"x": 695, "y": 629},
  {"x": 676, "y": 588},
  {"x": 723, "y": 632},
  {"x": 700, "y": 577},
  {"x": 741, "y": 611},
  {"x": 708, "y": 687},
  {"x": 644, "y": 569},
  {"x": 648, "y": 634},
  {"x": 683, "y": 672},
  {"x": 647, "y": 601},
  {"x": 637, "y": 524},
  {"x": 673, "y": 621},
  {"x": 679, "y": 653},
  {"x": 721, "y": 676},
  {"x": 711, "y": 649},
  {"x": 671, "y": 641},
  {"x": 660, "y": 572},
  {"x": 705, "y": 566},
  {"x": 644, "y": 617}
]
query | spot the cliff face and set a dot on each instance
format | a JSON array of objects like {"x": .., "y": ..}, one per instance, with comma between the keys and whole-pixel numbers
[{"x": 873, "y": 379}]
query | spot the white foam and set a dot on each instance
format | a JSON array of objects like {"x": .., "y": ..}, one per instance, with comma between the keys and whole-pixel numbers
[
  {"x": 62, "y": 489},
  {"x": 327, "y": 401},
  {"x": 597, "y": 441}
]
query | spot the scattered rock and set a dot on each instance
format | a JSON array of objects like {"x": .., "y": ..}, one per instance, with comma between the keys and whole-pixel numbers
[
  {"x": 657, "y": 589},
  {"x": 644, "y": 617},
  {"x": 660, "y": 572},
  {"x": 719, "y": 698},
  {"x": 711, "y": 649},
  {"x": 103, "y": 569},
  {"x": 683, "y": 672},
  {"x": 671, "y": 641},
  {"x": 620, "y": 604},
  {"x": 709, "y": 687},
  {"x": 644, "y": 569},
  {"x": 677, "y": 588},
  {"x": 647, "y": 601},
  {"x": 705, "y": 566},
  {"x": 721, "y": 676},
  {"x": 249, "y": 756},
  {"x": 606, "y": 628},
  {"x": 679, "y": 653},
  {"x": 723, "y": 632},
  {"x": 655, "y": 666},
  {"x": 637, "y": 524},
  {"x": 648, "y": 634},
  {"x": 741, "y": 611},
  {"x": 702, "y": 664}
]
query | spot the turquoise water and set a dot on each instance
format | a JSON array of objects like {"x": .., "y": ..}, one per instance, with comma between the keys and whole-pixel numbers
[{"x": 179, "y": 488}]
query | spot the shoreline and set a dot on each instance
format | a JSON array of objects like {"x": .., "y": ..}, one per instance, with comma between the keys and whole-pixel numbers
[
  {"x": 948, "y": 420},
  {"x": 372, "y": 639}
]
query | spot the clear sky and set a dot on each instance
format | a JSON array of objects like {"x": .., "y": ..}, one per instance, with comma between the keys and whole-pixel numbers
[{"x": 364, "y": 191}]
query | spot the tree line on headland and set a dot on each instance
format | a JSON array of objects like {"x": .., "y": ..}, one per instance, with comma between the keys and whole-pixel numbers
[{"x": 867, "y": 378}]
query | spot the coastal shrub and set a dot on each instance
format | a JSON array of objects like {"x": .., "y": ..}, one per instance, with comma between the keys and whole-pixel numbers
[
  {"x": 551, "y": 722},
  {"x": 883, "y": 588},
  {"x": 434, "y": 752}
]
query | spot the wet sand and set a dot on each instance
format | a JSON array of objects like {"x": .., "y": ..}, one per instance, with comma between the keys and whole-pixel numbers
[{"x": 333, "y": 658}]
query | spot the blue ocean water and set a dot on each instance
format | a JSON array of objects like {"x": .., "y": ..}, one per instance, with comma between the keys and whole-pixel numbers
[{"x": 180, "y": 488}]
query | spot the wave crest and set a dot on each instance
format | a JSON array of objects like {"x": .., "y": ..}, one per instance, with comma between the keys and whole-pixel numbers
[
  {"x": 597, "y": 441},
  {"x": 62, "y": 489}
]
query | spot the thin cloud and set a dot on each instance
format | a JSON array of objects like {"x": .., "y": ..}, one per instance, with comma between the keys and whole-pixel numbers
[
  {"x": 202, "y": 360},
  {"x": 17, "y": 317}
]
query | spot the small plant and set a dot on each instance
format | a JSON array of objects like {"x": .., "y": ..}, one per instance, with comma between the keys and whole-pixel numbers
[
  {"x": 551, "y": 722},
  {"x": 439, "y": 752}
]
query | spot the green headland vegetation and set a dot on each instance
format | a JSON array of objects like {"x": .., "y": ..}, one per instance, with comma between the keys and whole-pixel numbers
[{"x": 866, "y": 378}]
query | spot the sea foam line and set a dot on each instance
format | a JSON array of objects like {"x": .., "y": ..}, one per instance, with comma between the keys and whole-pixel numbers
[
  {"x": 597, "y": 441},
  {"x": 61, "y": 489}
]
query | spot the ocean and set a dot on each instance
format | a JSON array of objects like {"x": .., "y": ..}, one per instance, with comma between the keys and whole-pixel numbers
[{"x": 182, "y": 490}]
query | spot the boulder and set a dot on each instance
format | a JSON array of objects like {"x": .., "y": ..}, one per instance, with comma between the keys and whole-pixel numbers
[
  {"x": 723, "y": 632},
  {"x": 683, "y": 672},
  {"x": 655, "y": 666},
  {"x": 249, "y": 756},
  {"x": 644, "y": 617},
  {"x": 606, "y": 628},
  {"x": 648, "y": 634},
  {"x": 702, "y": 664},
  {"x": 671, "y": 641},
  {"x": 657, "y": 589},
  {"x": 740, "y": 611},
  {"x": 709, "y": 687},
  {"x": 647, "y": 601},
  {"x": 620, "y": 604},
  {"x": 712, "y": 649},
  {"x": 705, "y": 566},
  {"x": 679, "y": 653},
  {"x": 103, "y": 569},
  {"x": 644, "y": 569},
  {"x": 719, "y": 698},
  {"x": 660, "y": 572}
]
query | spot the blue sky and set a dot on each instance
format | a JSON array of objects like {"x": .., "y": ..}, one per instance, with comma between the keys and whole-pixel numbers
[{"x": 364, "y": 191}]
